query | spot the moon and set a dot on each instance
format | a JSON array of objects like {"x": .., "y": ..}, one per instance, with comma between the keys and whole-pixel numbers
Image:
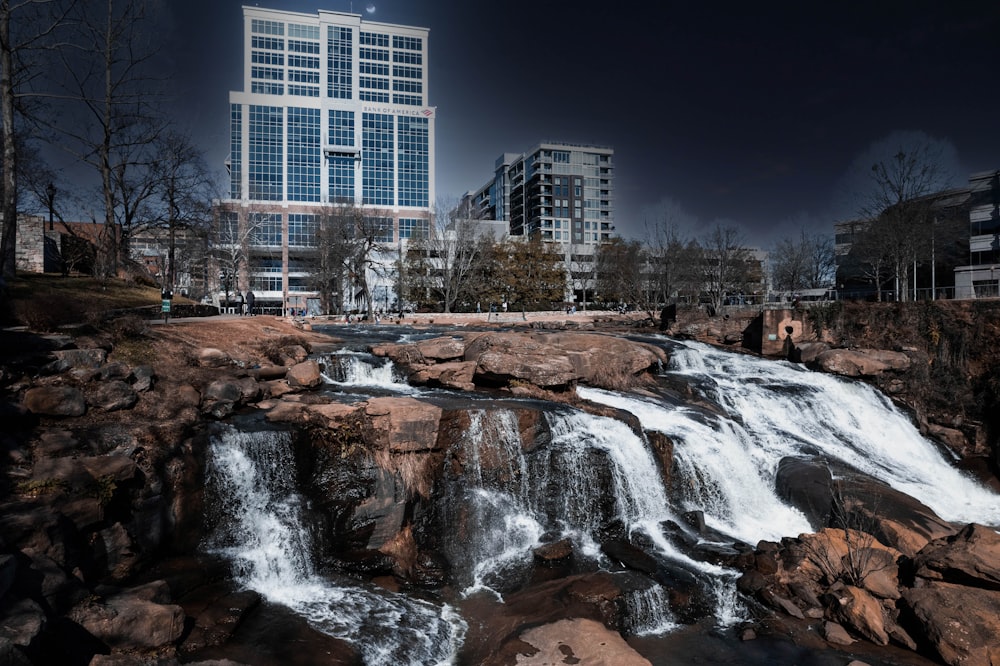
[{"x": 370, "y": 9}]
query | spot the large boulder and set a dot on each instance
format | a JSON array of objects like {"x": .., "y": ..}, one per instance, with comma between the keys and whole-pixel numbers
[
  {"x": 134, "y": 619},
  {"x": 112, "y": 396},
  {"x": 55, "y": 401},
  {"x": 862, "y": 612},
  {"x": 962, "y": 623},
  {"x": 970, "y": 557},
  {"x": 861, "y": 362},
  {"x": 304, "y": 375},
  {"x": 578, "y": 641}
]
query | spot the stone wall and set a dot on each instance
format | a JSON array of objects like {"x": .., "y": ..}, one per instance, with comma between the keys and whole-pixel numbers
[{"x": 30, "y": 248}]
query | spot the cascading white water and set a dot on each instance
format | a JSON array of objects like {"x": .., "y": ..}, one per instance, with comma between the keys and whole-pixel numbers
[
  {"x": 778, "y": 409},
  {"x": 558, "y": 489},
  {"x": 647, "y": 612},
  {"x": 253, "y": 475},
  {"x": 353, "y": 369}
]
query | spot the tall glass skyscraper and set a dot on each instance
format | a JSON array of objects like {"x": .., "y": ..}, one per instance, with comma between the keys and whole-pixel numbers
[{"x": 333, "y": 112}]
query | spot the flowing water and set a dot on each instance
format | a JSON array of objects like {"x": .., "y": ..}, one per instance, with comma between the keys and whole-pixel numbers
[
  {"x": 263, "y": 534},
  {"x": 505, "y": 500},
  {"x": 776, "y": 409}
]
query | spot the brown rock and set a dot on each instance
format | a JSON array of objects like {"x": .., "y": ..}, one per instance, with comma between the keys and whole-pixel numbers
[
  {"x": 82, "y": 358},
  {"x": 861, "y": 362},
  {"x": 210, "y": 357},
  {"x": 404, "y": 424},
  {"x": 836, "y": 634},
  {"x": 113, "y": 396},
  {"x": 970, "y": 557},
  {"x": 861, "y": 612},
  {"x": 454, "y": 374},
  {"x": 128, "y": 623},
  {"x": 580, "y": 642},
  {"x": 442, "y": 349},
  {"x": 22, "y": 622},
  {"x": 554, "y": 553},
  {"x": 304, "y": 375},
  {"x": 962, "y": 623},
  {"x": 55, "y": 401}
]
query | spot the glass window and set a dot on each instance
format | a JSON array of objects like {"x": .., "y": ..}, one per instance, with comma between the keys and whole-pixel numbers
[
  {"x": 373, "y": 39},
  {"x": 302, "y": 230},
  {"x": 229, "y": 228},
  {"x": 341, "y": 174},
  {"x": 303, "y": 31},
  {"x": 414, "y": 162},
  {"x": 303, "y": 154},
  {"x": 339, "y": 61},
  {"x": 265, "y": 229},
  {"x": 265, "y": 153},
  {"x": 408, "y": 43},
  {"x": 236, "y": 151},
  {"x": 268, "y": 43},
  {"x": 296, "y": 46},
  {"x": 377, "y": 161},
  {"x": 383, "y": 229},
  {"x": 341, "y": 128},
  {"x": 263, "y": 27},
  {"x": 413, "y": 228}
]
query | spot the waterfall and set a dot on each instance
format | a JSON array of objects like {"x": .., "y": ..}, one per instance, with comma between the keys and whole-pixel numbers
[
  {"x": 778, "y": 409},
  {"x": 647, "y": 612},
  {"x": 508, "y": 502},
  {"x": 261, "y": 532},
  {"x": 360, "y": 370}
]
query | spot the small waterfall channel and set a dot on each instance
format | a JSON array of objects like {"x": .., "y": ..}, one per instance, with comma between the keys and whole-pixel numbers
[
  {"x": 263, "y": 534},
  {"x": 591, "y": 477}
]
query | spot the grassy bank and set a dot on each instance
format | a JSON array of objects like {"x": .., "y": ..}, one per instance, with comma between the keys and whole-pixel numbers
[{"x": 46, "y": 302}]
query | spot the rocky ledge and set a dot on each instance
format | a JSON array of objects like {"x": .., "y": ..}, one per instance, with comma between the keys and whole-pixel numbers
[{"x": 552, "y": 361}]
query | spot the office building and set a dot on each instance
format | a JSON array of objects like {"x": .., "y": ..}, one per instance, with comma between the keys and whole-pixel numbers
[
  {"x": 333, "y": 112},
  {"x": 562, "y": 192}
]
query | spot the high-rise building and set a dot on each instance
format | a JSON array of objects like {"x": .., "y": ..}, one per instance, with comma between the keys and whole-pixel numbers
[
  {"x": 333, "y": 112},
  {"x": 562, "y": 192}
]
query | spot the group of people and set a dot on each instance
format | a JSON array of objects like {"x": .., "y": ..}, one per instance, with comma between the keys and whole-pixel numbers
[{"x": 246, "y": 304}]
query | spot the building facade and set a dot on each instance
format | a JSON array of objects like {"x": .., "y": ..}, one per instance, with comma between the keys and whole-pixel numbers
[
  {"x": 333, "y": 112},
  {"x": 562, "y": 192}
]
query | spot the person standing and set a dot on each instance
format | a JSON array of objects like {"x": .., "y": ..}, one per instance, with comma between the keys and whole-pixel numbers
[
  {"x": 243, "y": 305},
  {"x": 250, "y": 300}
]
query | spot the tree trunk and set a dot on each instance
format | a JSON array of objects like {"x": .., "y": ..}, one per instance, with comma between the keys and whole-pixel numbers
[{"x": 8, "y": 208}]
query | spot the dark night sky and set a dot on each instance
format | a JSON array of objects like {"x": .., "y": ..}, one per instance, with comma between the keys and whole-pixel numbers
[{"x": 745, "y": 113}]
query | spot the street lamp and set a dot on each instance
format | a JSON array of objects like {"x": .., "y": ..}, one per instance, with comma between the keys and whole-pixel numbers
[{"x": 50, "y": 192}]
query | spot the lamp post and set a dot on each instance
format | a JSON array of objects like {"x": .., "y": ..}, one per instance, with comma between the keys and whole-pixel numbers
[{"x": 50, "y": 192}]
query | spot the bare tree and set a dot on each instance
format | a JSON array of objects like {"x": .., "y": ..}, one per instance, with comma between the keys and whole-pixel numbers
[
  {"x": 903, "y": 171},
  {"x": 26, "y": 28},
  {"x": 622, "y": 271},
  {"x": 726, "y": 264},
  {"x": 109, "y": 73},
  {"x": 807, "y": 262},
  {"x": 446, "y": 264},
  {"x": 184, "y": 190},
  {"x": 673, "y": 271}
]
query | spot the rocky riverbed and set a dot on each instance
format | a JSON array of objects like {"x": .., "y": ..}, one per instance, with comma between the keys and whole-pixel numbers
[{"x": 103, "y": 504}]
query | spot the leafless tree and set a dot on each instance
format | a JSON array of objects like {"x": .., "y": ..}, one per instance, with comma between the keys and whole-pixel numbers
[
  {"x": 28, "y": 28},
  {"x": 806, "y": 262},
  {"x": 622, "y": 272},
  {"x": 726, "y": 264},
  {"x": 903, "y": 171},
  {"x": 184, "y": 192},
  {"x": 446, "y": 264},
  {"x": 110, "y": 83}
]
